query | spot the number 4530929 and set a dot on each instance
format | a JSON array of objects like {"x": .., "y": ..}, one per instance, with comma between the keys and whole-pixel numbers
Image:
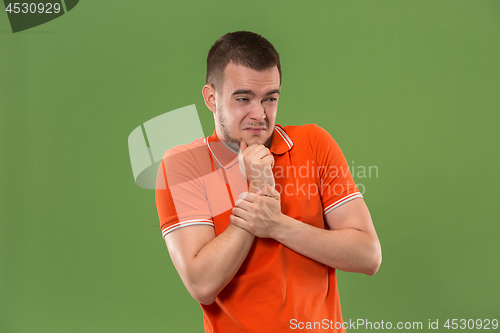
[
  {"x": 471, "y": 324},
  {"x": 41, "y": 8}
]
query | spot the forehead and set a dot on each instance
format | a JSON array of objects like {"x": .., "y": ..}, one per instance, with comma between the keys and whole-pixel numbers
[{"x": 237, "y": 77}]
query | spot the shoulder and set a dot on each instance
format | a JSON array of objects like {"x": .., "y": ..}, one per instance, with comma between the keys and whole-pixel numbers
[
  {"x": 181, "y": 158},
  {"x": 295, "y": 130},
  {"x": 185, "y": 149},
  {"x": 190, "y": 151},
  {"x": 301, "y": 130},
  {"x": 301, "y": 134},
  {"x": 313, "y": 140}
]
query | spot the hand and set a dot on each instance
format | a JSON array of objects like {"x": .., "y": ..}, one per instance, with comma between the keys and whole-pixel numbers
[
  {"x": 259, "y": 214},
  {"x": 256, "y": 163}
]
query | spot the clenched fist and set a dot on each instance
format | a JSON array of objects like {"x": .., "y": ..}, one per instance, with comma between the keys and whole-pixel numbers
[{"x": 256, "y": 163}]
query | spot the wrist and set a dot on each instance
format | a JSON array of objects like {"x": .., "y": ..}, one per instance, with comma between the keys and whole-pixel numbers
[
  {"x": 239, "y": 231},
  {"x": 254, "y": 186},
  {"x": 282, "y": 225}
]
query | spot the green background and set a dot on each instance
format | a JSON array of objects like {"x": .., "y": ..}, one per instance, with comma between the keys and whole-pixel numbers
[{"x": 411, "y": 87}]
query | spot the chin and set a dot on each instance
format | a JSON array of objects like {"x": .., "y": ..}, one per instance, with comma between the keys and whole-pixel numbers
[
  {"x": 251, "y": 141},
  {"x": 261, "y": 140}
]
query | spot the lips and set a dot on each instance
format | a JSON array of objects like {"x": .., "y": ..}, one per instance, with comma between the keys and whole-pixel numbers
[{"x": 255, "y": 130}]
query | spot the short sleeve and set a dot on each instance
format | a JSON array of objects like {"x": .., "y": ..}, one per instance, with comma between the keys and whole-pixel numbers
[
  {"x": 180, "y": 194},
  {"x": 336, "y": 184}
]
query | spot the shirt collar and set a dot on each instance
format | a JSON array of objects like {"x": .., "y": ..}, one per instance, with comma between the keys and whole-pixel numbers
[
  {"x": 281, "y": 141},
  {"x": 223, "y": 156},
  {"x": 281, "y": 144}
]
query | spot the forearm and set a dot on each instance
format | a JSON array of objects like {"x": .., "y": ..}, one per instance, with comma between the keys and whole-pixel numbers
[
  {"x": 349, "y": 250},
  {"x": 211, "y": 269}
]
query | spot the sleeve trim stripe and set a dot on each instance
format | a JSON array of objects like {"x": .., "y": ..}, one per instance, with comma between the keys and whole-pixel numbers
[
  {"x": 189, "y": 222},
  {"x": 342, "y": 201},
  {"x": 185, "y": 224}
]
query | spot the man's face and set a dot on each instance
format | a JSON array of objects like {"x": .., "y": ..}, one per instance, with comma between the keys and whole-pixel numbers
[{"x": 248, "y": 105}]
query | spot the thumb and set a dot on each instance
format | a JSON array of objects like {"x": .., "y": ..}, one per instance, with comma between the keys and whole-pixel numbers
[
  {"x": 241, "y": 164},
  {"x": 243, "y": 146}
]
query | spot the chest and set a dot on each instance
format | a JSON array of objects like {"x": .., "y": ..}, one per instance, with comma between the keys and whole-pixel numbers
[{"x": 298, "y": 182}]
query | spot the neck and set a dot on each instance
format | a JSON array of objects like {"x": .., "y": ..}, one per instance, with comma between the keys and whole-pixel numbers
[{"x": 232, "y": 147}]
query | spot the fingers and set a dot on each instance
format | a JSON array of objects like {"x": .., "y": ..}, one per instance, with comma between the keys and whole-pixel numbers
[
  {"x": 246, "y": 196},
  {"x": 255, "y": 151},
  {"x": 261, "y": 152},
  {"x": 269, "y": 160},
  {"x": 238, "y": 221},
  {"x": 248, "y": 149},
  {"x": 241, "y": 213},
  {"x": 258, "y": 154},
  {"x": 241, "y": 209}
]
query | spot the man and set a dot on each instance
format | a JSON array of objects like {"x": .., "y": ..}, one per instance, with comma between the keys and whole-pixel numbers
[{"x": 258, "y": 217}]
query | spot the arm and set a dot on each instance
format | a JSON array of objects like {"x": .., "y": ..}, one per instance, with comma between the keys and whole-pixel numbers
[
  {"x": 352, "y": 245},
  {"x": 207, "y": 263}
]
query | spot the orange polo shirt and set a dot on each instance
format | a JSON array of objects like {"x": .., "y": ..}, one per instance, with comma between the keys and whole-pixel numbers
[{"x": 276, "y": 289}]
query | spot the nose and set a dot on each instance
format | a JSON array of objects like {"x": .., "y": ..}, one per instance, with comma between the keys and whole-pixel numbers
[{"x": 258, "y": 113}]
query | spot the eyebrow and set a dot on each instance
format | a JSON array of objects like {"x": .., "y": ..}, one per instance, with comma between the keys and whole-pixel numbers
[{"x": 251, "y": 93}]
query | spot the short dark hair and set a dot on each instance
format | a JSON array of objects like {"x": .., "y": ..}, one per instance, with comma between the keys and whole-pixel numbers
[{"x": 241, "y": 48}]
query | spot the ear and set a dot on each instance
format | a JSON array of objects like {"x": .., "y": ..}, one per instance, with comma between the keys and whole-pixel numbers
[{"x": 208, "y": 92}]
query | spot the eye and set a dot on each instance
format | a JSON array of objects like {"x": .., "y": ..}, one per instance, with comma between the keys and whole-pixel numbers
[
  {"x": 272, "y": 99},
  {"x": 242, "y": 99}
]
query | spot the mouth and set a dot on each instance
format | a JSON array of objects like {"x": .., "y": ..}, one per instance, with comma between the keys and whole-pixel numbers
[{"x": 255, "y": 130}]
